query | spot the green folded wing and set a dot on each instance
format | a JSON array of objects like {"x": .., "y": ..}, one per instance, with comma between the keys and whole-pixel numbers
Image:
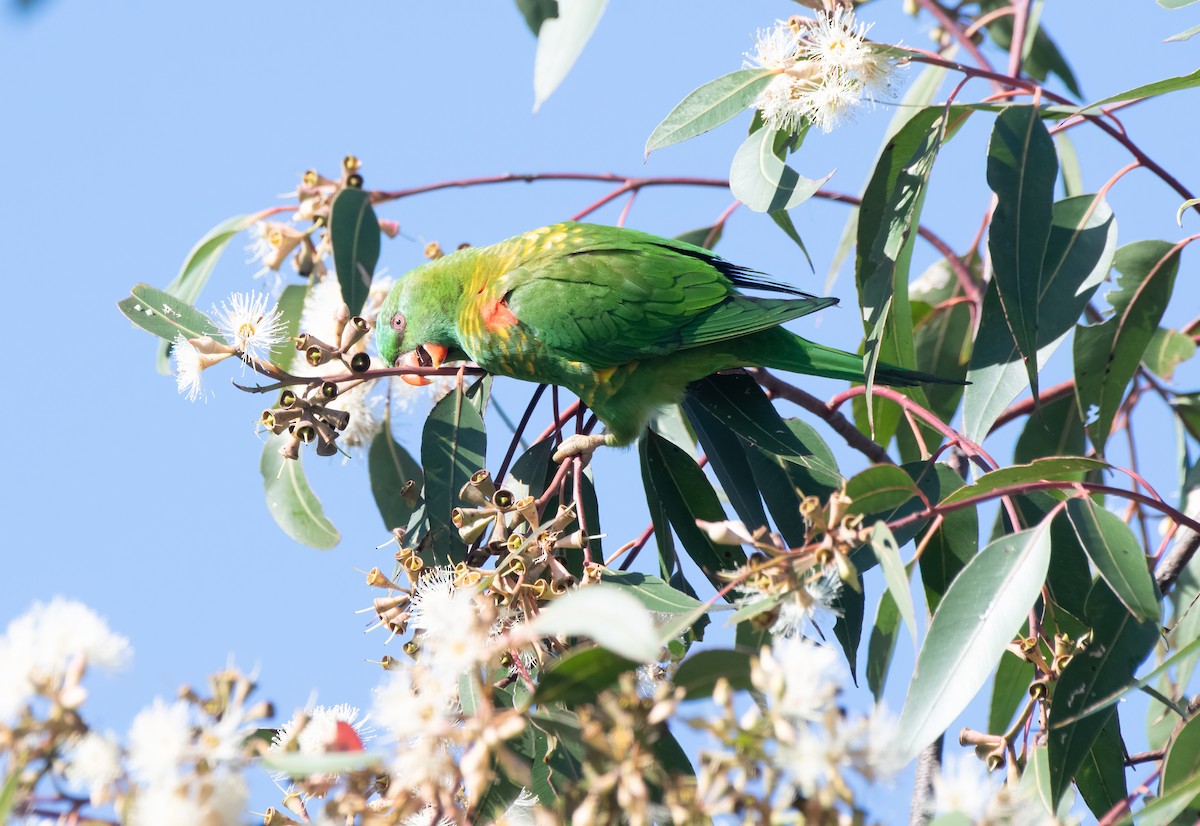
[{"x": 606, "y": 296}]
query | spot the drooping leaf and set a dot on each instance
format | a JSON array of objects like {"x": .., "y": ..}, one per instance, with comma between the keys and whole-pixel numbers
[
  {"x": 1107, "y": 354},
  {"x": 1080, "y": 249},
  {"x": 1119, "y": 645},
  {"x": 698, "y": 674},
  {"x": 762, "y": 181},
  {"x": 942, "y": 332},
  {"x": 1182, "y": 762},
  {"x": 560, "y": 41},
  {"x": 706, "y": 237},
  {"x": 709, "y": 106},
  {"x": 895, "y": 575},
  {"x": 887, "y": 222},
  {"x": 952, "y": 546},
  {"x": 1101, "y": 777},
  {"x": 354, "y": 233},
  {"x": 292, "y": 503},
  {"x": 453, "y": 446},
  {"x": 850, "y": 609},
  {"x": 727, "y": 456},
  {"x": 1042, "y": 55},
  {"x": 882, "y": 644},
  {"x": 686, "y": 495},
  {"x": 290, "y": 307},
  {"x": 164, "y": 315},
  {"x": 785, "y": 223},
  {"x": 1021, "y": 170},
  {"x": 528, "y": 474},
  {"x": 1047, "y": 469},
  {"x": 979, "y": 615},
  {"x": 1069, "y": 167},
  {"x": 1117, "y": 555},
  {"x": 920, "y": 93},
  {"x": 390, "y": 467},
  {"x": 1167, "y": 350}
]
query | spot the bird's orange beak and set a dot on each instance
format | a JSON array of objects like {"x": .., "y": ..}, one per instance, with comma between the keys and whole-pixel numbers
[{"x": 425, "y": 355}]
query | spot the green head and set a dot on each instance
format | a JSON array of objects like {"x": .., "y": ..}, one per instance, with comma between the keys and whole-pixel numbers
[{"x": 418, "y": 318}]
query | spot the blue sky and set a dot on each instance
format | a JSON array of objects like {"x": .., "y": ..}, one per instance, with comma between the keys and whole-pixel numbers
[{"x": 132, "y": 128}]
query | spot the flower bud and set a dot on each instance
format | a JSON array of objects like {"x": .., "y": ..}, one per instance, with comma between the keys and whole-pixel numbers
[{"x": 355, "y": 330}]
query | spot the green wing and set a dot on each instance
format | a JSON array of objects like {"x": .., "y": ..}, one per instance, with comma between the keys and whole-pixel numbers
[{"x": 607, "y": 296}]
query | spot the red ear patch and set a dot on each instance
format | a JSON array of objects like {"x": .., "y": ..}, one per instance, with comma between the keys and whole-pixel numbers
[{"x": 497, "y": 316}]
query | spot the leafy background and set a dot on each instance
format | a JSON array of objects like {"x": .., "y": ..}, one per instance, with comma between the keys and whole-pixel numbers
[{"x": 133, "y": 129}]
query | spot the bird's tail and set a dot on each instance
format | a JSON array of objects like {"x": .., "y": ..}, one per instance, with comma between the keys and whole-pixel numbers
[{"x": 784, "y": 350}]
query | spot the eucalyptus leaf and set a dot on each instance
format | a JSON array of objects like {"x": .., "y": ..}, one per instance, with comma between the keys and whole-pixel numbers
[
  {"x": 390, "y": 467},
  {"x": 1160, "y": 87},
  {"x": 1050, "y": 468},
  {"x": 1021, "y": 169},
  {"x": 1167, "y": 350},
  {"x": 1117, "y": 555},
  {"x": 1108, "y": 354},
  {"x": 292, "y": 503},
  {"x": 709, "y": 106},
  {"x": 654, "y": 593},
  {"x": 164, "y": 315},
  {"x": 355, "y": 235},
  {"x": 763, "y": 182},
  {"x": 453, "y": 446},
  {"x": 560, "y": 41},
  {"x": 698, "y": 674},
  {"x": 979, "y": 615},
  {"x": 580, "y": 675}
]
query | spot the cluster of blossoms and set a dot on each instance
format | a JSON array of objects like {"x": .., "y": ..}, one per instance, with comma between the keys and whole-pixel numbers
[{"x": 825, "y": 69}]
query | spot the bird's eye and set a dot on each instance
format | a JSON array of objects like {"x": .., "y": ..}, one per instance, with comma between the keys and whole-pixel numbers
[{"x": 398, "y": 323}]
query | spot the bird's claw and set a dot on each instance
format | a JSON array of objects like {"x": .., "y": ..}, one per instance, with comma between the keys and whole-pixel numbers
[{"x": 579, "y": 445}]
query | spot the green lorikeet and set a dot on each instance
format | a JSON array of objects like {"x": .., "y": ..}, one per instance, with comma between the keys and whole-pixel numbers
[{"x": 623, "y": 319}]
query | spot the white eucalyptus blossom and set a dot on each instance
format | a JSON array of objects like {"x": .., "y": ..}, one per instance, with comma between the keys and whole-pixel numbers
[{"x": 246, "y": 321}]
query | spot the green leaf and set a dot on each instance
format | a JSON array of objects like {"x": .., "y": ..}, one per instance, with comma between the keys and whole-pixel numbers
[
  {"x": 1053, "y": 429},
  {"x": 1186, "y": 34},
  {"x": 698, "y": 674},
  {"x": 1048, "y": 469},
  {"x": 1162, "y": 811},
  {"x": 198, "y": 266},
  {"x": 850, "y": 608},
  {"x": 879, "y": 488},
  {"x": 1117, "y": 555},
  {"x": 453, "y": 446},
  {"x": 1167, "y": 350},
  {"x": 390, "y": 466},
  {"x": 1183, "y": 762},
  {"x": 981, "y": 612},
  {"x": 8, "y": 794},
  {"x": 882, "y": 644},
  {"x": 292, "y": 503},
  {"x": 1078, "y": 254},
  {"x": 1160, "y": 87},
  {"x": 560, "y": 41},
  {"x": 1108, "y": 354},
  {"x": 608, "y": 614},
  {"x": 942, "y": 331},
  {"x": 354, "y": 233},
  {"x": 580, "y": 675},
  {"x": 290, "y": 307},
  {"x": 952, "y": 546},
  {"x": 686, "y": 495},
  {"x": 728, "y": 458},
  {"x": 296, "y": 764},
  {"x": 1009, "y": 688},
  {"x": 1021, "y": 170},
  {"x": 921, "y": 92},
  {"x": 706, "y": 237},
  {"x": 738, "y": 402},
  {"x": 1041, "y": 56},
  {"x": 1175, "y": 4},
  {"x": 528, "y": 475},
  {"x": 784, "y": 222},
  {"x": 164, "y": 315},
  {"x": 653, "y": 592},
  {"x": 763, "y": 182},
  {"x": 895, "y": 575},
  {"x": 1101, "y": 778},
  {"x": 1119, "y": 644},
  {"x": 1069, "y": 168},
  {"x": 709, "y": 106},
  {"x": 537, "y": 12}
]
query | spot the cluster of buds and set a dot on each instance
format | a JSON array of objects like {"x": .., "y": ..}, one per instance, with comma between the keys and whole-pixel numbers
[
  {"x": 307, "y": 416},
  {"x": 619, "y": 732},
  {"x": 530, "y": 553},
  {"x": 841, "y": 533}
]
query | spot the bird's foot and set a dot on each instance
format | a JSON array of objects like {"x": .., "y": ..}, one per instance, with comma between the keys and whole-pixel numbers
[{"x": 579, "y": 445}]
